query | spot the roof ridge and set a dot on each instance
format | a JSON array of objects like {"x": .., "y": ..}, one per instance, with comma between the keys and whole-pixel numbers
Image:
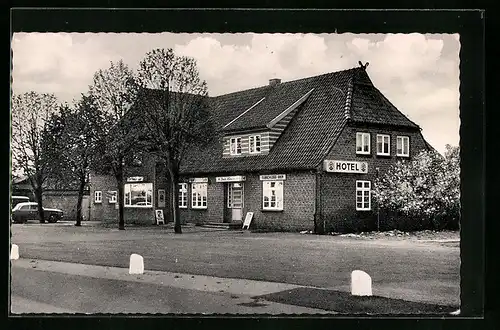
[{"x": 289, "y": 81}]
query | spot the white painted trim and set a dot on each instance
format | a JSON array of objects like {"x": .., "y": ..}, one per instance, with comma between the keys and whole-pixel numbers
[
  {"x": 383, "y": 136},
  {"x": 232, "y": 121},
  {"x": 289, "y": 109}
]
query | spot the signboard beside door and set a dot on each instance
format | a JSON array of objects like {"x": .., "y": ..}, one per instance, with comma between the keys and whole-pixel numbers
[
  {"x": 159, "y": 217},
  {"x": 248, "y": 220}
]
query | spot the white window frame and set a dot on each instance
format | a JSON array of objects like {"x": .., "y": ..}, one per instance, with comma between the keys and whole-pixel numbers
[
  {"x": 112, "y": 196},
  {"x": 128, "y": 202},
  {"x": 198, "y": 191},
  {"x": 360, "y": 142},
  {"x": 98, "y": 196},
  {"x": 230, "y": 202},
  {"x": 252, "y": 144},
  {"x": 183, "y": 195},
  {"x": 381, "y": 138},
  {"x": 267, "y": 192},
  {"x": 363, "y": 190},
  {"x": 401, "y": 139},
  {"x": 236, "y": 141}
]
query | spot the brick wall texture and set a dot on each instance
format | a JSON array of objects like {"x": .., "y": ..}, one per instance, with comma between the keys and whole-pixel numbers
[
  {"x": 335, "y": 211},
  {"x": 66, "y": 201},
  {"x": 338, "y": 190},
  {"x": 298, "y": 208}
]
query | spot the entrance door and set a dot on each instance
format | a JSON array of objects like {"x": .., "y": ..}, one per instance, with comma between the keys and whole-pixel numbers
[{"x": 235, "y": 200}]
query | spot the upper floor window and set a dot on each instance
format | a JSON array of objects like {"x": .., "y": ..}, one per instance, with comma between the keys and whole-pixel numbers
[
  {"x": 254, "y": 144},
  {"x": 403, "y": 146},
  {"x": 363, "y": 143},
  {"x": 383, "y": 144},
  {"x": 235, "y": 146}
]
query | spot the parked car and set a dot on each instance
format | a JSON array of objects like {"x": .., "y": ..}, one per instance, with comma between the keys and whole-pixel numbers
[
  {"x": 25, "y": 211},
  {"x": 14, "y": 200}
]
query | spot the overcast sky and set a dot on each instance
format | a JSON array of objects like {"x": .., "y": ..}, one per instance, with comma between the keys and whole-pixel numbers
[{"x": 418, "y": 73}]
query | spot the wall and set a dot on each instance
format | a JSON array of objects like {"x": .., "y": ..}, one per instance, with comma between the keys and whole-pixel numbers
[
  {"x": 108, "y": 212},
  {"x": 63, "y": 200},
  {"x": 298, "y": 209},
  {"x": 338, "y": 203}
]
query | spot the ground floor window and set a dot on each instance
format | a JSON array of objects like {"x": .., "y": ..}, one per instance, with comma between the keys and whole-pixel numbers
[
  {"x": 139, "y": 195},
  {"x": 98, "y": 196},
  {"x": 363, "y": 200},
  {"x": 112, "y": 197},
  {"x": 183, "y": 189},
  {"x": 272, "y": 195},
  {"x": 199, "y": 195}
]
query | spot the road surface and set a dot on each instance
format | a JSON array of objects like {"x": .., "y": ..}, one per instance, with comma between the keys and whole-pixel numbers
[{"x": 423, "y": 272}]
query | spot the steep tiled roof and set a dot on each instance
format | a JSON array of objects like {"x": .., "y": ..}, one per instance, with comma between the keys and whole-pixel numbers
[
  {"x": 314, "y": 129},
  {"x": 369, "y": 105}
]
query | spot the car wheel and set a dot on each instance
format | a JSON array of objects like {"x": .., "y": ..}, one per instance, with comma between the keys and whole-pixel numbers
[{"x": 52, "y": 219}]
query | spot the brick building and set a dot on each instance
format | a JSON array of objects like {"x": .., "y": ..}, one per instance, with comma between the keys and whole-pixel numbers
[{"x": 297, "y": 154}]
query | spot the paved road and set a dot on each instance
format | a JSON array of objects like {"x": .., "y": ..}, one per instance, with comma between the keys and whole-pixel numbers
[
  {"x": 81, "y": 294},
  {"x": 411, "y": 271}
]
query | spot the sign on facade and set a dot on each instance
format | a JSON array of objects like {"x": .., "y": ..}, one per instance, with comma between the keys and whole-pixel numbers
[
  {"x": 159, "y": 217},
  {"x": 135, "y": 179},
  {"x": 199, "y": 180},
  {"x": 248, "y": 220},
  {"x": 344, "y": 166},
  {"x": 273, "y": 177},
  {"x": 234, "y": 178},
  {"x": 161, "y": 197}
]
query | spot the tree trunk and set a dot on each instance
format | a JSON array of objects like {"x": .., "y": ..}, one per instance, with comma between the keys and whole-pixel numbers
[
  {"x": 38, "y": 196},
  {"x": 174, "y": 193},
  {"x": 79, "y": 203},
  {"x": 121, "y": 197}
]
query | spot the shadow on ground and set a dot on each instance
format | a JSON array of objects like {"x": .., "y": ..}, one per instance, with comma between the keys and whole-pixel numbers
[{"x": 344, "y": 302}]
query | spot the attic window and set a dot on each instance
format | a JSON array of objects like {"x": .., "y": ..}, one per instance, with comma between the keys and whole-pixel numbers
[
  {"x": 254, "y": 144},
  {"x": 235, "y": 146}
]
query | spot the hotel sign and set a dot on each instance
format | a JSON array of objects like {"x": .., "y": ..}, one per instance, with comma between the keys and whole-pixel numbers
[
  {"x": 234, "y": 178},
  {"x": 135, "y": 179},
  {"x": 198, "y": 180},
  {"x": 273, "y": 177},
  {"x": 344, "y": 166}
]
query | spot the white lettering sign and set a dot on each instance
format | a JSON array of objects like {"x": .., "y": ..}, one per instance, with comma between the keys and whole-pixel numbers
[
  {"x": 202, "y": 180},
  {"x": 344, "y": 166},
  {"x": 135, "y": 179},
  {"x": 235, "y": 178},
  {"x": 273, "y": 177}
]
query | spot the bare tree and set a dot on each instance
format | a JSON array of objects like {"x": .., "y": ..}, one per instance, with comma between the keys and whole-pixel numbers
[
  {"x": 30, "y": 113},
  {"x": 175, "y": 112},
  {"x": 73, "y": 134},
  {"x": 114, "y": 91}
]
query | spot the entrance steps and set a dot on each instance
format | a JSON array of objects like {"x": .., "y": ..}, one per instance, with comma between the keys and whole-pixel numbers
[{"x": 224, "y": 225}]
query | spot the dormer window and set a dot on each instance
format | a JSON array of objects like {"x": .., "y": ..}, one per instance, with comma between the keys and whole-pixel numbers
[
  {"x": 254, "y": 144},
  {"x": 235, "y": 146}
]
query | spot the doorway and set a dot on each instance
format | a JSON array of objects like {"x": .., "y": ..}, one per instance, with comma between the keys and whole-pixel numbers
[{"x": 235, "y": 197}]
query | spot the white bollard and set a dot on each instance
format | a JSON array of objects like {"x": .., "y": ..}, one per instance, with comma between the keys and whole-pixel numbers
[
  {"x": 14, "y": 252},
  {"x": 361, "y": 283},
  {"x": 136, "y": 264}
]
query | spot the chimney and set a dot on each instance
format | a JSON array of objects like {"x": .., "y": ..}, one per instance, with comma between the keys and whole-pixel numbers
[{"x": 274, "y": 81}]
